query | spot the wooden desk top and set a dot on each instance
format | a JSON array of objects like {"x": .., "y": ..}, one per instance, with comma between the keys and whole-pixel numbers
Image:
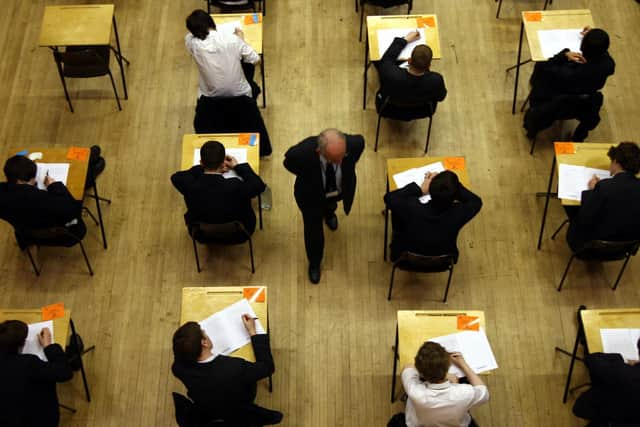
[
  {"x": 552, "y": 20},
  {"x": 60, "y": 325},
  {"x": 77, "y": 169},
  {"x": 590, "y": 154},
  {"x": 76, "y": 25},
  {"x": 410, "y": 22},
  {"x": 252, "y": 31},
  {"x": 198, "y": 303},
  {"x": 230, "y": 140},
  {"x": 395, "y": 166},
  {"x": 416, "y": 327},
  {"x": 594, "y": 320}
]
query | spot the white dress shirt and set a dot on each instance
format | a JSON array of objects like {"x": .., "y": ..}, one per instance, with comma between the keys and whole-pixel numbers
[
  {"x": 338, "y": 169},
  {"x": 219, "y": 58},
  {"x": 439, "y": 405}
]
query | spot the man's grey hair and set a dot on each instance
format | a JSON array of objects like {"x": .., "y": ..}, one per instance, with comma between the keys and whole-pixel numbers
[{"x": 323, "y": 139}]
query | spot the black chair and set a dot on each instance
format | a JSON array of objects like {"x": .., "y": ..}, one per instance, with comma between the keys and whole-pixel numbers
[
  {"x": 601, "y": 250},
  {"x": 381, "y": 3},
  {"x": 409, "y": 261},
  {"x": 97, "y": 165},
  {"x": 241, "y": 6},
  {"x": 546, "y": 3},
  {"x": 52, "y": 236},
  {"x": 187, "y": 414},
  {"x": 406, "y": 110},
  {"x": 84, "y": 62},
  {"x": 230, "y": 233}
]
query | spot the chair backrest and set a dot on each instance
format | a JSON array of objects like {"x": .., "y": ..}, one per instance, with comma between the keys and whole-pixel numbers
[
  {"x": 227, "y": 233},
  {"x": 232, "y": 5},
  {"x": 567, "y": 107},
  {"x": 97, "y": 165},
  {"x": 605, "y": 250},
  {"x": 385, "y": 3},
  {"x": 42, "y": 234},
  {"x": 407, "y": 108},
  {"x": 227, "y": 115},
  {"x": 85, "y": 61},
  {"x": 425, "y": 263},
  {"x": 187, "y": 414}
]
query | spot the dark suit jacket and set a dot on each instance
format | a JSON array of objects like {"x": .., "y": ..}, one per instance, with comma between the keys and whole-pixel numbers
[
  {"x": 303, "y": 161},
  {"x": 615, "y": 390},
  {"x": 28, "y": 388},
  {"x": 226, "y": 386},
  {"x": 399, "y": 83},
  {"x": 213, "y": 199},
  {"x": 611, "y": 211},
  {"x": 424, "y": 228}
]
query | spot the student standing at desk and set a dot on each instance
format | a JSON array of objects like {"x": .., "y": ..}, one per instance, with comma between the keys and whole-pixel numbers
[{"x": 27, "y": 384}]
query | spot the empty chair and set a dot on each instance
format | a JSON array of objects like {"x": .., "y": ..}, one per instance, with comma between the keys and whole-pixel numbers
[
  {"x": 546, "y": 3},
  {"x": 230, "y": 233},
  {"x": 406, "y": 110},
  {"x": 380, "y": 3},
  {"x": 409, "y": 261},
  {"x": 84, "y": 62},
  {"x": 236, "y": 5}
]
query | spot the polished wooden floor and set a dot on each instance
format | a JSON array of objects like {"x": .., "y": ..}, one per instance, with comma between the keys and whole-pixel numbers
[{"x": 332, "y": 342}]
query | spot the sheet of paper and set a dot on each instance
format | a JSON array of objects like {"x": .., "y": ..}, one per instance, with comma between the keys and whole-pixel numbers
[
  {"x": 57, "y": 171},
  {"x": 226, "y": 330},
  {"x": 386, "y": 36},
  {"x": 553, "y": 41},
  {"x": 474, "y": 347},
  {"x": 573, "y": 180},
  {"x": 228, "y": 27},
  {"x": 32, "y": 345},
  {"x": 238, "y": 153},
  {"x": 621, "y": 341},
  {"x": 417, "y": 175}
]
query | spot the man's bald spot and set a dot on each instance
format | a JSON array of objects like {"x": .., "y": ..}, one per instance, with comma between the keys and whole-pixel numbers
[{"x": 332, "y": 145}]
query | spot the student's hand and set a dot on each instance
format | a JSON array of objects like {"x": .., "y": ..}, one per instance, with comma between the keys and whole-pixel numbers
[
  {"x": 230, "y": 162},
  {"x": 238, "y": 32},
  {"x": 576, "y": 57},
  {"x": 249, "y": 324},
  {"x": 452, "y": 378},
  {"x": 458, "y": 360},
  {"x": 633, "y": 362},
  {"x": 585, "y": 30},
  {"x": 592, "y": 182},
  {"x": 412, "y": 36},
  {"x": 427, "y": 181},
  {"x": 48, "y": 180},
  {"x": 44, "y": 337}
]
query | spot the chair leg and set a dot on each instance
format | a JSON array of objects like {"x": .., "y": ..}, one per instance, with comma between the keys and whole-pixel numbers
[
  {"x": 426, "y": 146},
  {"x": 499, "y": 7},
  {"x": 113, "y": 84},
  {"x": 615, "y": 285},
  {"x": 375, "y": 148},
  {"x": 393, "y": 272},
  {"x": 208, "y": 7},
  {"x": 565, "y": 222},
  {"x": 86, "y": 209},
  {"x": 74, "y": 343},
  {"x": 86, "y": 259},
  {"x": 361, "y": 21},
  {"x": 446, "y": 292},
  {"x": 409, "y": 4},
  {"x": 356, "y": 6},
  {"x": 533, "y": 145},
  {"x": 195, "y": 250},
  {"x": 566, "y": 270},
  {"x": 64, "y": 83},
  {"x": 253, "y": 269},
  {"x": 33, "y": 262},
  {"x": 100, "y": 220}
]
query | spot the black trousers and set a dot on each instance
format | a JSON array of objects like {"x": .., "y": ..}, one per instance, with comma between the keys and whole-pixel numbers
[
  {"x": 314, "y": 229},
  {"x": 249, "y": 71}
]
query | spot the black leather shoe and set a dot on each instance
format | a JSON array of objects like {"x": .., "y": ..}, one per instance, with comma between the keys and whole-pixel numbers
[
  {"x": 314, "y": 274},
  {"x": 332, "y": 222}
]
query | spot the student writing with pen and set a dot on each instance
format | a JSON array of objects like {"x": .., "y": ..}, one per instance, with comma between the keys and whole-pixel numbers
[{"x": 223, "y": 387}]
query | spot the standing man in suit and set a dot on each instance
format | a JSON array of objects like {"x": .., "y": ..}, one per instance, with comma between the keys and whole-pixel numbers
[
  {"x": 325, "y": 170},
  {"x": 610, "y": 208},
  {"x": 27, "y": 384},
  {"x": 213, "y": 198},
  {"x": 223, "y": 387},
  {"x": 417, "y": 82},
  {"x": 431, "y": 228},
  {"x": 614, "y": 395}
]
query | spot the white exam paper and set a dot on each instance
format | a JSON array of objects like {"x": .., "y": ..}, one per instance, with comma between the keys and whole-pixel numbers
[
  {"x": 573, "y": 180},
  {"x": 417, "y": 175},
  {"x": 621, "y": 341},
  {"x": 474, "y": 347},
  {"x": 228, "y": 27},
  {"x": 553, "y": 41},
  {"x": 57, "y": 171},
  {"x": 386, "y": 36},
  {"x": 239, "y": 153},
  {"x": 226, "y": 330},
  {"x": 32, "y": 345}
]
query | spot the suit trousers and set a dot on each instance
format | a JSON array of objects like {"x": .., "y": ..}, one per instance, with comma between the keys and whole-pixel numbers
[{"x": 314, "y": 230}]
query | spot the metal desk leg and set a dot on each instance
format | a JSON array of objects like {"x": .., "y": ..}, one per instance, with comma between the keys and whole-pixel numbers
[
  {"x": 386, "y": 226},
  {"x": 76, "y": 346},
  {"x": 366, "y": 66},
  {"x": 546, "y": 202},
  {"x": 574, "y": 356},
  {"x": 264, "y": 87},
  {"x": 395, "y": 368},
  {"x": 515, "y": 89},
  {"x": 498, "y": 11},
  {"x": 120, "y": 58},
  {"x": 260, "y": 209}
]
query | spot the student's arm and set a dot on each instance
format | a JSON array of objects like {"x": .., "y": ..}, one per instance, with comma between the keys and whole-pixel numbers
[
  {"x": 57, "y": 368},
  {"x": 399, "y": 201},
  {"x": 470, "y": 204},
  {"x": 263, "y": 366},
  {"x": 60, "y": 202},
  {"x": 188, "y": 42},
  {"x": 591, "y": 204},
  {"x": 253, "y": 184},
  {"x": 458, "y": 360},
  {"x": 606, "y": 369},
  {"x": 411, "y": 381},
  {"x": 184, "y": 180},
  {"x": 247, "y": 53},
  {"x": 387, "y": 66},
  {"x": 441, "y": 90}
]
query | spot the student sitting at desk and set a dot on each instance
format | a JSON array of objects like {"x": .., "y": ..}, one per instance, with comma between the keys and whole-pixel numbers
[
  {"x": 610, "y": 208},
  {"x": 223, "y": 387},
  {"x": 214, "y": 198},
  {"x": 27, "y": 384},
  {"x": 24, "y": 205},
  {"x": 431, "y": 228},
  {"x": 567, "y": 86},
  {"x": 416, "y": 82},
  {"x": 614, "y": 395},
  {"x": 434, "y": 397}
]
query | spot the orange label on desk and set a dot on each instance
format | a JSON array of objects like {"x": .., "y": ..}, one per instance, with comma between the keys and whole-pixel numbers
[
  {"x": 256, "y": 294},
  {"x": 564, "y": 147},
  {"x": 533, "y": 16},
  {"x": 254, "y": 18},
  {"x": 78, "y": 153},
  {"x": 244, "y": 138},
  {"x": 468, "y": 323},
  {"x": 427, "y": 21},
  {"x": 53, "y": 311},
  {"x": 454, "y": 163}
]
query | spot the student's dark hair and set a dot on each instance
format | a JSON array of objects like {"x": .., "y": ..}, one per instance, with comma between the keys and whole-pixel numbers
[
  {"x": 595, "y": 43},
  {"x": 187, "y": 344},
  {"x": 421, "y": 57},
  {"x": 444, "y": 189},
  {"x": 627, "y": 155},
  {"x": 19, "y": 168},
  {"x": 212, "y": 155},
  {"x": 199, "y": 23},
  {"x": 432, "y": 362},
  {"x": 13, "y": 333}
]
